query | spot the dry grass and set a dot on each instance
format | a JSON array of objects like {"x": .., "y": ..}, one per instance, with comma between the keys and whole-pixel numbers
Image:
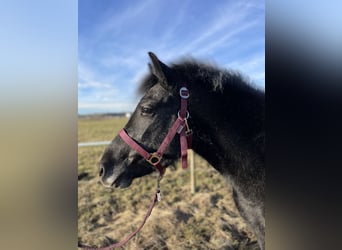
[{"x": 207, "y": 219}]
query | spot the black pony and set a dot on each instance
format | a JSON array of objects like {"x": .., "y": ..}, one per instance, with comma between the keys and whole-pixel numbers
[{"x": 227, "y": 119}]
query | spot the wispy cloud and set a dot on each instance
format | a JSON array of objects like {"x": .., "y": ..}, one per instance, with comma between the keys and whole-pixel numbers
[
  {"x": 227, "y": 16},
  {"x": 118, "y": 20},
  {"x": 109, "y": 106},
  {"x": 253, "y": 66},
  {"x": 85, "y": 85},
  {"x": 113, "y": 53}
]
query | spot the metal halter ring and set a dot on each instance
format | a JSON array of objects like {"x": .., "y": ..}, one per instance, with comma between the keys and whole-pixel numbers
[
  {"x": 184, "y": 96},
  {"x": 186, "y": 116},
  {"x": 154, "y": 158}
]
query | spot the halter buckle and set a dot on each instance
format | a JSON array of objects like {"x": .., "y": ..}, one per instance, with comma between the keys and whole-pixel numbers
[
  {"x": 154, "y": 159},
  {"x": 184, "y": 93}
]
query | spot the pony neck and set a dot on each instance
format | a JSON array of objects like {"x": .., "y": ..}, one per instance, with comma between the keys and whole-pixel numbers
[{"x": 229, "y": 133}]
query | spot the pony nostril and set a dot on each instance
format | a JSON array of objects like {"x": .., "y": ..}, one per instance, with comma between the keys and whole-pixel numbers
[{"x": 102, "y": 171}]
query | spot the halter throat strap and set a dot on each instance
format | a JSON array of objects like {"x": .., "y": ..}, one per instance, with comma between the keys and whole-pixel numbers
[{"x": 180, "y": 126}]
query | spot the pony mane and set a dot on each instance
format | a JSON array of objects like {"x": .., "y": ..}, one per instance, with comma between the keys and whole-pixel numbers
[{"x": 207, "y": 75}]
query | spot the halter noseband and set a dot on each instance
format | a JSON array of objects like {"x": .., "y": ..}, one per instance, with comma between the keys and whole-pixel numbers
[{"x": 180, "y": 126}]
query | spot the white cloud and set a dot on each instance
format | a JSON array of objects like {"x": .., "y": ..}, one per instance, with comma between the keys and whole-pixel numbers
[
  {"x": 101, "y": 85},
  {"x": 227, "y": 39},
  {"x": 113, "y": 60},
  {"x": 127, "y": 106},
  {"x": 228, "y": 16},
  {"x": 117, "y": 20},
  {"x": 225, "y": 28},
  {"x": 252, "y": 66}
]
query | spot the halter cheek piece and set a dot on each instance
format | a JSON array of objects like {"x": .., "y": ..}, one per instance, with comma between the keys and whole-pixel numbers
[{"x": 180, "y": 126}]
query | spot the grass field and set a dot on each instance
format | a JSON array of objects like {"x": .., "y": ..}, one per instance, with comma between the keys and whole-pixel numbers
[{"x": 207, "y": 219}]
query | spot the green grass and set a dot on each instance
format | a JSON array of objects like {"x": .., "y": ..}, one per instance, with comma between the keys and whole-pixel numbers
[{"x": 207, "y": 219}]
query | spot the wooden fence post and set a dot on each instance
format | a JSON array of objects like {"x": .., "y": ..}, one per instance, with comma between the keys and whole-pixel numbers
[{"x": 192, "y": 171}]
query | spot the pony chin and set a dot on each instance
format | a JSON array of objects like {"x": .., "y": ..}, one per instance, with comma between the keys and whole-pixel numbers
[
  {"x": 122, "y": 182},
  {"x": 117, "y": 181}
]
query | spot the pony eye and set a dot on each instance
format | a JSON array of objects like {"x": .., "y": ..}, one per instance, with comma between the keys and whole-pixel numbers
[{"x": 146, "y": 110}]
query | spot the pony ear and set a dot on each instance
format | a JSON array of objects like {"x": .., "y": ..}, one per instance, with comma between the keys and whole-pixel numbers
[{"x": 159, "y": 69}]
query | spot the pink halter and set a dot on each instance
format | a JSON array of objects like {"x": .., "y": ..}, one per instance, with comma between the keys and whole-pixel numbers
[{"x": 180, "y": 126}]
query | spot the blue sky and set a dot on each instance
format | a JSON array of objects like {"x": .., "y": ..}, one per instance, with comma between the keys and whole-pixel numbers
[{"x": 115, "y": 36}]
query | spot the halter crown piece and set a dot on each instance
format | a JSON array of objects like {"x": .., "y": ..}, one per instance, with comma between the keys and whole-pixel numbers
[{"x": 181, "y": 127}]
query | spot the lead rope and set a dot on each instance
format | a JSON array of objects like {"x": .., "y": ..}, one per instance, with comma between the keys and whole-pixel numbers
[{"x": 155, "y": 198}]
